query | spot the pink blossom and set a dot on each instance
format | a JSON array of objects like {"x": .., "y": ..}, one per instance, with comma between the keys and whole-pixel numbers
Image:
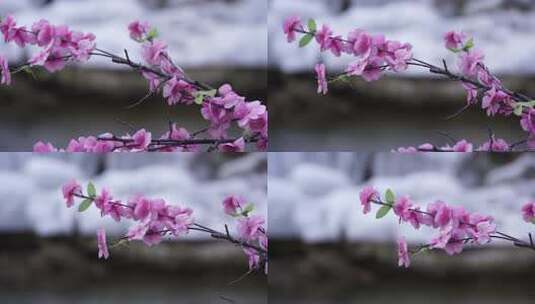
[
  {"x": 495, "y": 145},
  {"x": 154, "y": 80},
  {"x": 494, "y": 100},
  {"x": 291, "y": 25},
  {"x": 154, "y": 234},
  {"x": 367, "y": 195},
  {"x": 138, "y": 29},
  {"x": 406, "y": 212},
  {"x": 356, "y": 68},
  {"x": 426, "y": 147},
  {"x": 7, "y": 27},
  {"x": 154, "y": 52},
  {"x": 482, "y": 232},
  {"x": 406, "y": 150},
  {"x": 528, "y": 212},
  {"x": 229, "y": 98},
  {"x": 41, "y": 147},
  {"x": 450, "y": 239},
  {"x": 454, "y": 40},
  {"x": 56, "y": 60},
  {"x": 179, "y": 134},
  {"x": 183, "y": 219},
  {"x": 528, "y": 121},
  {"x": 11, "y": 32},
  {"x": 455, "y": 244},
  {"x": 322, "y": 80},
  {"x": 460, "y": 217},
  {"x": 487, "y": 79},
  {"x": 102, "y": 244},
  {"x": 75, "y": 146},
  {"x": 83, "y": 45},
  {"x": 262, "y": 144},
  {"x": 45, "y": 32},
  {"x": 471, "y": 93},
  {"x": 470, "y": 61},
  {"x": 232, "y": 203},
  {"x": 373, "y": 71},
  {"x": 323, "y": 37},
  {"x": 137, "y": 232},
  {"x": 249, "y": 228},
  {"x": 70, "y": 189},
  {"x": 252, "y": 116},
  {"x": 102, "y": 147},
  {"x": 103, "y": 200},
  {"x": 236, "y": 146},
  {"x": 253, "y": 257},
  {"x": 4, "y": 68},
  {"x": 170, "y": 68},
  {"x": 441, "y": 214},
  {"x": 142, "y": 208},
  {"x": 142, "y": 139},
  {"x": 214, "y": 111},
  {"x": 398, "y": 55},
  {"x": 178, "y": 91},
  {"x": 360, "y": 43},
  {"x": 402, "y": 207},
  {"x": 403, "y": 253},
  {"x": 337, "y": 46},
  {"x": 463, "y": 146}
]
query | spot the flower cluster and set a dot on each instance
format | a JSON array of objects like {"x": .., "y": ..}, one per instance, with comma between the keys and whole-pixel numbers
[
  {"x": 57, "y": 43},
  {"x": 222, "y": 108},
  {"x": 250, "y": 229},
  {"x": 482, "y": 85},
  {"x": 455, "y": 226},
  {"x": 375, "y": 54},
  {"x": 155, "y": 219},
  {"x": 492, "y": 145},
  {"x": 528, "y": 212},
  {"x": 177, "y": 139}
]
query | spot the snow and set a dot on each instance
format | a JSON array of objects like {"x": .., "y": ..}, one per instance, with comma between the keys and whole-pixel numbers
[
  {"x": 36, "y": 204},
  {"x": 331, "y": 210},
  {"x": 499, "y": 33}
]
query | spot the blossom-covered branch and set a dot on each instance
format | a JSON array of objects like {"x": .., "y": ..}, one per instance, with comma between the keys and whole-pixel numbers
[
  {"x": 156, "y": 219},
  {"x": 456, "y": 226},
  {"x": 222, "y": 107},
  {"x": 374, "y": 55}
]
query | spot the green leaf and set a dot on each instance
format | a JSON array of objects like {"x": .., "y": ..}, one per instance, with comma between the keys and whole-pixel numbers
[
  {"x": 468, "y": 45},
  {"x": 383, "y": 211},
  {"x": 533, "y": 221},
  {"x": 529, "y": 104},
  {"x": 312, "y": 25},
  {"x": 91, "y": 191},
  {"x": 389, "y": 196},
  {"x": 153, "y": 33},
  {"x": 341, "y": 78},
  {"x": 85, "y": 204},
  {"x": 201, "y": 95},
  {"x": 518, "y": 109},
  {"x": 305, "y": 40},
  {"x": 199, "y": 98},
  {"x": 248, "y": 209},
  {"x": 421, "y": 250},
  {"x": 454, "y": 50}
]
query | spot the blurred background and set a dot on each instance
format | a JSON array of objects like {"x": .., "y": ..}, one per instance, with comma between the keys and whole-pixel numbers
[
  {"x": 399, "y": 110},
  {"x": 324, "y": 250},
  {"x": 216, "y": 41},
  {"x": 49, "y": 252}
]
